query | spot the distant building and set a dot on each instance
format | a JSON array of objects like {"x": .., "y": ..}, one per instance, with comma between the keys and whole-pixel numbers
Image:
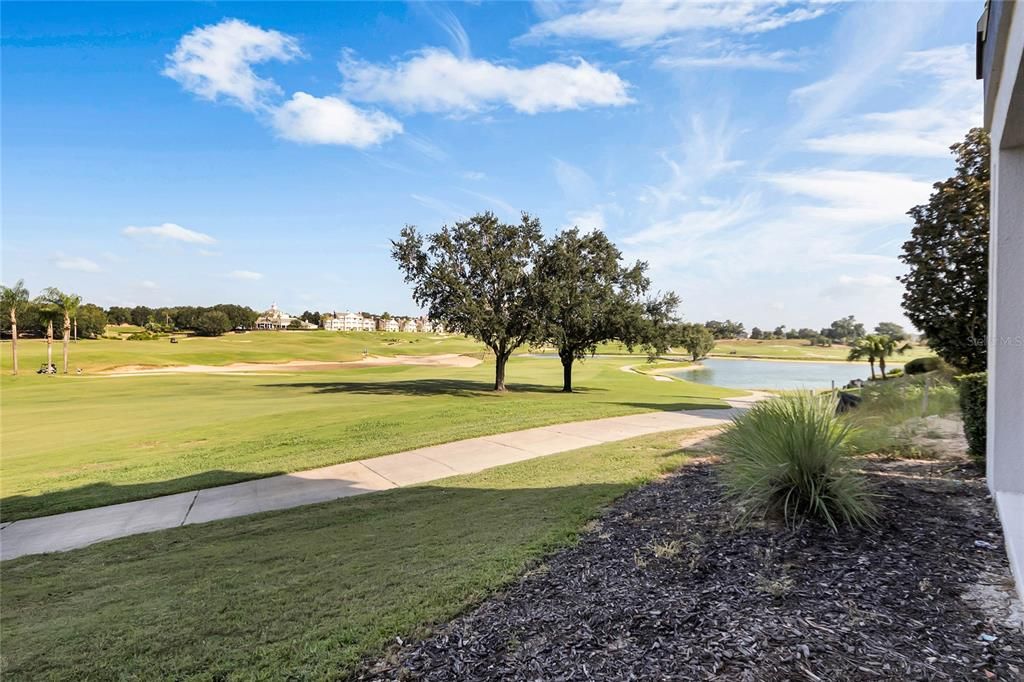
[
  {"x": 369, "y": 323},
  {"x": 388, "y": 325},
  {"x": 424, "y": 325},
  {"x": 342, "y": 322},
  {"x": 408, "y": 325},
  {"x": 273, "y": 319}
]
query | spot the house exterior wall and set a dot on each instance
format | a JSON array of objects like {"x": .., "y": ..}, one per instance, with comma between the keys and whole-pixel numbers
[{"x": 1002, "y": 33}]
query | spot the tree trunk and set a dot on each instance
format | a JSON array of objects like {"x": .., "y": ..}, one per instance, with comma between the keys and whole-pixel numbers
[
  {"x": 14, "y": 342},
  {"x": 49, "y": 345},
  {"x": 67, "y": 338},
  {"x": 872, "y": 363},
  {"x": 881, "y": 366},
  {"x": 567, "y": 373},
  {"x": 499, "y": 370},
  {"x": 76, "y": 329}
]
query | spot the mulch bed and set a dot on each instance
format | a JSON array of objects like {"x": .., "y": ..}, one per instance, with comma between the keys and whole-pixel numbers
[{"x": 667, "y": 587}]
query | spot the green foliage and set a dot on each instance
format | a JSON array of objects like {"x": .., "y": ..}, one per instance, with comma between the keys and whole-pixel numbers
[
  {"x": 725, "y": 330},
  {"x": 92, "y": 321},
  {"x": 922, "y": 365},
  {"x": 844, "y": 330},
  {"x": 213, "y": 323},
  {"x": 892, "y": 330},
  {"x": 788, "y": 456},
  {"x": 143, "y": 336},
  {"x": 876, "y": 347},
  {"x": 946, "y": 293},
  {"x": 475, "y": 278},
  {"x": 13, "y": 301},
  {"x": 973, "y": 408},
  {"x": 695, "y": 338},
  {"x": 583, "y": 295}
]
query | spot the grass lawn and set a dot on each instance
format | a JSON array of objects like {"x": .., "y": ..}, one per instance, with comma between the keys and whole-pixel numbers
[
  {"x": 101, "y": 354},
  {"x": 800, "y": 349},
  {"x": 304, "y": 593},
  {"x": 83, "y": 441}
]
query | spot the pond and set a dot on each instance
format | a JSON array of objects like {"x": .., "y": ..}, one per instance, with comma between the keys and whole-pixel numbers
[{"x": 777, "y": 374}]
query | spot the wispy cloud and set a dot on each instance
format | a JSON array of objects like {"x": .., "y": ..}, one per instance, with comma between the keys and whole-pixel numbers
[
  {"x": 952, "y": 105},
  {"x": 735, "y": 58},
  {"x": 148, "y": 284},
  {"x": 77, "y": 263},
  {"x": 634, "y": 24},
  {"x": 436, "y": 80},
  {"x": 170, "y": 231},
  {"x": 245, "y": 275},
  {"x": 851, "y": 197}
]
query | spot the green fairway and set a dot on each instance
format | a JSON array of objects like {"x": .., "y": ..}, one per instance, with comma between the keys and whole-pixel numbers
[
  {"x": 83, "y": 441},
  {"x": 104, "y": 354},
  {"x": 304, "y": 593}
]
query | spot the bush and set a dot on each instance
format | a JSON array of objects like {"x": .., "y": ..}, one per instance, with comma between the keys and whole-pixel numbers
[
  {"x": 143, "y": 336},
  {"x": 973, "y": 408},
  {"x": 789, "y": 455},
  {"x": 922, "y": 365}
]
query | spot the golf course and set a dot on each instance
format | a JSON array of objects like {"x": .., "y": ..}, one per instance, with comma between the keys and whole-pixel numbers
[{"x": 111, "y": 435}]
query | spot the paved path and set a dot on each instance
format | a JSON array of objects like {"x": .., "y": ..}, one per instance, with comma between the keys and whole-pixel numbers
[{"x": 62, "y": 532}]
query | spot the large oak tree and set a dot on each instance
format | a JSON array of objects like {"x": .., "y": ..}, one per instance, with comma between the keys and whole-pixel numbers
[
  {"x": 476, "y": 277},
  {"x": 585, "y": 295}
]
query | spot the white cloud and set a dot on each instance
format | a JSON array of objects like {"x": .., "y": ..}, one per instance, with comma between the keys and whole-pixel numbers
[
  {"x": 170, "y": 231},
  {"x": 148, "y": 284},
  {"x": 216, "y": 61},
  {"x": 435, "y": 80},
  {"x": 77, "y": 263},
  {"x": 330, "y": 120},
  {"x": 952, "y": 106},
  {"x": 633, "y": 24},
  {"x": 690, "y": 225},
  {"x": 473, "y": 175},
  {"x": 246, "y": 275}
]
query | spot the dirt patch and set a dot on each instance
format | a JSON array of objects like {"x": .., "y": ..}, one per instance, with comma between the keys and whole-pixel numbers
[
  {"x": 667, "y": 586},
  {"x": 444, "y": 360}
]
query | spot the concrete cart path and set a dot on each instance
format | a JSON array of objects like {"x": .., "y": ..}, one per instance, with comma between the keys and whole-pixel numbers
[{"x": 62, "y": 532}]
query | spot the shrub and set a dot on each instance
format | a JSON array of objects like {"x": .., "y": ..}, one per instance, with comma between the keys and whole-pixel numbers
[
  {"x": 143, "y": 336},
  {"x": 789, "y": 455},
  {"x": 922, "y": 365},
  {"x": 973, "y": 403}
]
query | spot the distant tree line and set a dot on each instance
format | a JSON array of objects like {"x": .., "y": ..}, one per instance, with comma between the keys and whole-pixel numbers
[{"x": 186, "y": 318}]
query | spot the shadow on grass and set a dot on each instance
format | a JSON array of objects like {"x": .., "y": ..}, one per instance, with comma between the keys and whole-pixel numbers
[
  {"x": 171, "y": 603},
  {"x": 102, "y": 493},
  {"x": 462, "y": 388}
]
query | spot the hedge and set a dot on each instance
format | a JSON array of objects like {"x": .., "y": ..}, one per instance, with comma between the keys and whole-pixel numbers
[
  {"x": 973, "y": 394},
  {"x": 922, "y": 365}
]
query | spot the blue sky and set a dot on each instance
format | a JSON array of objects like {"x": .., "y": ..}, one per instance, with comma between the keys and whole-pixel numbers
[{"x": 760, "y": 156}]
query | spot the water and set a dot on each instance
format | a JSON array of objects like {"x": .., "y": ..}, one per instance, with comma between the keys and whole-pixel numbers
[{"x": 775, "y": 374}]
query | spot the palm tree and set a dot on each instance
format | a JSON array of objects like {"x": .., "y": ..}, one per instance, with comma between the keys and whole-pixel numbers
[
  {"x": 14, "y": 300},
  {"x": 864, "y": 349},
  {"x": 66, "y": 305},
  {"x": 886, "y": 346}
]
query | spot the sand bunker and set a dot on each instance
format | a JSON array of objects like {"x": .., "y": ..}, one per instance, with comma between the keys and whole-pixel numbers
[{"x": 445, "y": 360}]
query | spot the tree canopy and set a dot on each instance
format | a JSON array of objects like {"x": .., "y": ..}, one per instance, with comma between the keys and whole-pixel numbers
[
  {"x": 946, "y": 293},
  {"x": 476, "y": 278},
  {"x": 695, "y": 338},
  {"x": 584, "y": 295}
]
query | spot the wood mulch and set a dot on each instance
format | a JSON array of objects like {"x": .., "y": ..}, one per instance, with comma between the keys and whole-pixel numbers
[{"x": 667, "y": 587}]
